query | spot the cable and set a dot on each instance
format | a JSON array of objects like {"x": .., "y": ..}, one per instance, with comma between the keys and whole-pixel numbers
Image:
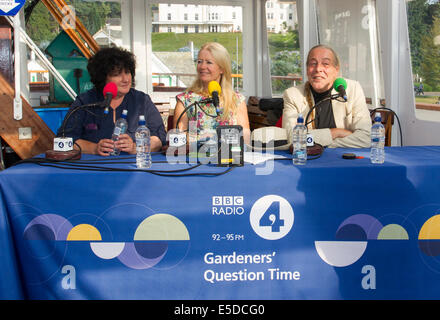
[
  {"x": 73, "y": 110},
  {"x": 195, "y": 174},
  {"x": 315, "y": 156},
  {"x": 85, "y": 165},
  {"x": 398, "y": 120},
  {"x": 204, "y": 111},
  {"x": 308, "y": 157},
  {"x": 74, "y": 165},
  {"x": 196, "y": 104},
  {"x": 332, "y": 97},
  {"x": 108, "y": 159},
  {"x": 180, "y": 116}
]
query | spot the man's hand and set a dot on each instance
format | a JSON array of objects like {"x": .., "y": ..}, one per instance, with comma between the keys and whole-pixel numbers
[{"x": 339, "y": 133}]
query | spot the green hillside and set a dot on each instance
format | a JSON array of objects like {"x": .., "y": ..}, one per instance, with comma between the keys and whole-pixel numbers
[
  {"x": 283, "y": 50},
  {"x": 173, "y": 41}
]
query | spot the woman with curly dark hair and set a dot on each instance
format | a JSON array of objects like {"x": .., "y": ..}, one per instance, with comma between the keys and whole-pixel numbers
[{"x": 92, "y": 129}]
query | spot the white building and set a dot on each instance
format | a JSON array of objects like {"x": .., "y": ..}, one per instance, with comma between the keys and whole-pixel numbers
[
  {"x": 37, "y": 73},
  {"x": 183, "y": 18},
  {"x": 281, "y": 16},
  {"x": 110, "y": 34}
]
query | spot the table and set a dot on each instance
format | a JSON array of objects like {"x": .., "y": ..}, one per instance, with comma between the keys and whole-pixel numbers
[{"x": 332, "y": 229}]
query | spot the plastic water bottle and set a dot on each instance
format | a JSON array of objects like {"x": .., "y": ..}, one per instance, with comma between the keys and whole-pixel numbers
[
  {"x": 120, "y": 128},
  {"x": 377, "y": 152},
  {"x": 299, "y": 140},
  {"x": 143, "y": 154}
]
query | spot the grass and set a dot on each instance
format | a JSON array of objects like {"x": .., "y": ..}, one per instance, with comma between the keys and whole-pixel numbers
[
  {"x": 280, "y": 42},
  {"x": 427, "y": 99},
  {"x": 171, "y": 42}
]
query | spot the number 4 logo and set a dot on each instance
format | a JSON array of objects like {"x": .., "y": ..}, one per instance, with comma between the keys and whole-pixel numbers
[{"x": 271, "y": 217}]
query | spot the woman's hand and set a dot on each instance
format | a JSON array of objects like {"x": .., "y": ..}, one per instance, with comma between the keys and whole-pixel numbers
[
  {"x": 126, "y": 144},
  {"x": 104, "y": 147}
]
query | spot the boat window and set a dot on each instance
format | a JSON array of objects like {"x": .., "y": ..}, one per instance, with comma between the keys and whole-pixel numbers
[
  {"x": 350, "y": 28},
  {"x": 424, "y": 39},
  {"x": 68, "y": 50},
  {"x": 283, "y": 40},
  {"x": 178, "y": 33},
  {"x": 101, "y": 19}
]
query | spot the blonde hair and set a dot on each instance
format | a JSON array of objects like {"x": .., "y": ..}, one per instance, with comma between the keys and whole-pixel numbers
[{"x": 228, "y": 98}]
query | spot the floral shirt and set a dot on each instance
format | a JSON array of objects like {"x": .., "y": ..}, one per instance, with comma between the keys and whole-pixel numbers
[{"x": 206, "y": 120}]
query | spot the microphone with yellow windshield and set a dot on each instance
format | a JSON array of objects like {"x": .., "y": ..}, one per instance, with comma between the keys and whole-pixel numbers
[{"x": 215, "y": 90}]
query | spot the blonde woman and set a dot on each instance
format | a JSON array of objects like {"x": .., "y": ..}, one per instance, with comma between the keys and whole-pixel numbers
[{"x": 213, "y": 64}]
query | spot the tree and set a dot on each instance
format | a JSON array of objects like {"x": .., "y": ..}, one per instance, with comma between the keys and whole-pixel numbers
[
  {"x": 430, "y": 54},
  {"x": 282, "y": 64},
  {"x": 287, "y": 41},
  {"x": 417, "y": 26},
  {"x": 41, "y": 26},
  {"x": 92, "y": 14}
]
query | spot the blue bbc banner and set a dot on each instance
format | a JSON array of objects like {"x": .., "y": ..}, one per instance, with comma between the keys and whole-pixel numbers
[
  {"x": 320, "y": 232},
  {"x": 10, "y": 7}
]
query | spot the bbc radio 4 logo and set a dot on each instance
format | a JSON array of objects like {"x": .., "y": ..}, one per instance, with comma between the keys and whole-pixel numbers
[{"x": 227, "y": 205}]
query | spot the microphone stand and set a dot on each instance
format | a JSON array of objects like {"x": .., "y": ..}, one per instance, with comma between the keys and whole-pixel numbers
[
  {"x": 332, "y": 97},
  {"x": 72, "y": 154},
  {"x": 196, "y": 104},
  {"x": 317, "y": 149},
  {"x": 72, "y": 111}
]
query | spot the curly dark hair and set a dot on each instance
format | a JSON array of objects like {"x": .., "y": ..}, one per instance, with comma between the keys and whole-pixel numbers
[{"x": 108, "y": 61}]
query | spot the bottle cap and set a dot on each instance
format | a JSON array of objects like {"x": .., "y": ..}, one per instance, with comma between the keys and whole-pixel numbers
[
  {"x": 300, "y": 119},
  {"x": 124, "y": 113},
  {"x": 377, "y": 117}
]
